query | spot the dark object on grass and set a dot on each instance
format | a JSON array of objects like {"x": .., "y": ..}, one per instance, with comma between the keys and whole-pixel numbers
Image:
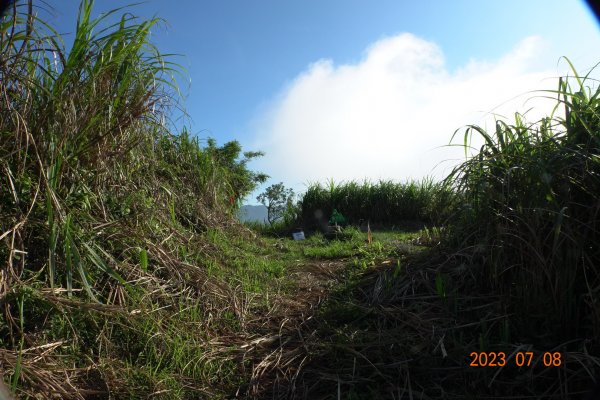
[
  {"x": 5, "y": 5},
  {"x": 332, "y": 231}
]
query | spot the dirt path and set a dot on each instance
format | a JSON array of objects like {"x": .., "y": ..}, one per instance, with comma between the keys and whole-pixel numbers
[{"x": 279, "y": 355}]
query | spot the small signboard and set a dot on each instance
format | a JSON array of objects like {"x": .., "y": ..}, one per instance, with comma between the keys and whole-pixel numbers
[{"x": 298, "y": 235}]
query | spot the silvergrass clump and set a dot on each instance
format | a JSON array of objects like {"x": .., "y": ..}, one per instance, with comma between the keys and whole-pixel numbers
[
  {"x": 104, "y": 215},
  {"x": 529, "y": 216},
  {"x": 385, "y": 202}
]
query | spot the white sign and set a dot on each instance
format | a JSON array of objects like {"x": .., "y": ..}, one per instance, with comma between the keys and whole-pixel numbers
[{"x": 298, "y": 235}]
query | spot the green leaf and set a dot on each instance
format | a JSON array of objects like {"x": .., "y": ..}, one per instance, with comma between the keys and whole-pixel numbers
[
  {"x": 144, "y": 260},
  {"x": 439, "y": 285}
]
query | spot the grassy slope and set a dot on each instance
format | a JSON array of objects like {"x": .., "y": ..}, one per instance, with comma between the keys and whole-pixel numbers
[{"x": 122, "y": 268}]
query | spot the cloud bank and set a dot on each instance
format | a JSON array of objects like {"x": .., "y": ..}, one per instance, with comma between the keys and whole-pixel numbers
[{"x": 390, "y": 115}]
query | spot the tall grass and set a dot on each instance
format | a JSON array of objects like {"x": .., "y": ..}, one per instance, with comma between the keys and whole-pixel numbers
[
  {"x": 104, "y": 215},
  {"x": 384, "y": 202},
  {"x": 71, "y": 120},
  {"x": 530, "y": 217}
]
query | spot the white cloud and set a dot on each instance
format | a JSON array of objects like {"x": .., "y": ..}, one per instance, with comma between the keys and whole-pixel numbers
[{"x": 388, "y": 115}]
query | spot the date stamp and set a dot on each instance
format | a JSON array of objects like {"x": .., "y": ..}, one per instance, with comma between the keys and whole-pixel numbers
[{"x": 518, "y": 359}]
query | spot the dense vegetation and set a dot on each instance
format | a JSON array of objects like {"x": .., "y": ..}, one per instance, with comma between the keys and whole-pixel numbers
[
  {"x": 124, "y": 273},
  {"x": 111, "y": 226},
  {"x": 530, "y": 214},
  {"x": 383, "y": 203}
]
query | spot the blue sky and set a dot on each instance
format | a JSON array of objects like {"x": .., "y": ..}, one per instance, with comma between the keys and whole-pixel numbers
[{"x": 349, "y": 89}]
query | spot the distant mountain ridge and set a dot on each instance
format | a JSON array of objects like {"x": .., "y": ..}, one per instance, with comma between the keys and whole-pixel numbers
[{"x": 250, "y": 213}]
